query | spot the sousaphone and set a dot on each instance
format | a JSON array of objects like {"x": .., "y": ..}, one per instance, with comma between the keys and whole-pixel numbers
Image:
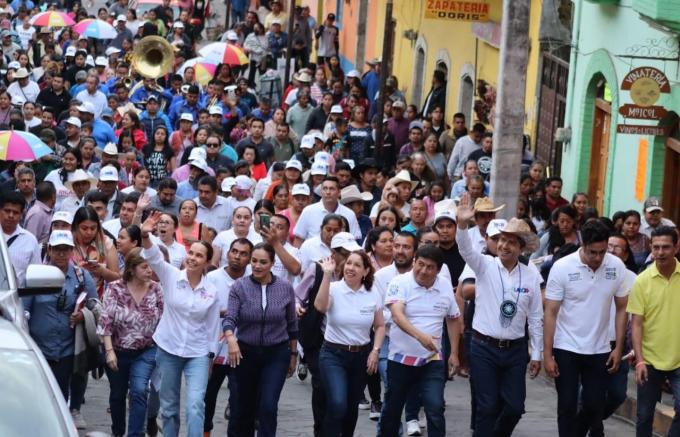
[{"x": 153, "y": 57}]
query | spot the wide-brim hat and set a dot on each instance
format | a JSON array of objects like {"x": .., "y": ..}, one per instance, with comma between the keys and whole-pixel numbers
[
  {"x": 80, "y": 175},
  {"x": 521, "y": 229},
  {"x": 351, "y": 194},
  {"x": 403, "y": 176},
  {"x": 303, "y": 76},
  {"x": 485, "y": 204}
]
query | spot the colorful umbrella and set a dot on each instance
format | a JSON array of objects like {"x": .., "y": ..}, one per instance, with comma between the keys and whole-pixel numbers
[
  {"x": 52, "y": 19},
  {"x": 224, "y": 53},
  {"x": 97, "y": 29},
  {"x": 155, "y": 2},
  {"x": 204, "y": 68},
  {"x": 21, "y": 146}
]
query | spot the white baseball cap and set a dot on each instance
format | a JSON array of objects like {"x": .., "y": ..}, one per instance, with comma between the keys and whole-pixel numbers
[
  {"x": 187, "y": 116},
  {"x": 61, "y": 238},
  {"x": 100, "y": 61},
  {"x": 199, "y": 163},
  {"x": 243, "y": 182},
  {"x": 89, "y": 60},
  {"x": 121, "y": 17},
  {"x": 111, "y": 149},
  {"x": 232, "y": 36},
  {"x": 336, "y": 109},
  {"x": 109, "y": 51},
  {"x": 108, "y": 174},
  {"x": 75, "y": 121},
  {"x": 71, "y": 51},
  {"x": 227, "y": 183},
  {"x": 86, "y": 107},
  {"x": 319, "y": 168},
  {"x": 445, "y": 214},
  {"x": 198, "y": 153},
  {"x": 63, "y": 216},
  {"x": 354, "y": 73},
  {"x": 294, "y": 163},
  {"x": 346, "y": 241},
  {"x": 495, "y": 227},
  {"x": 300, "y": 189},
  {"x": 322, "y": 157},
  {"x": 307, "y": 142},
  {"x": 215, "y": 110},
  {"x": 178, "y": 25},
  {"x": 318, "y": 135}
]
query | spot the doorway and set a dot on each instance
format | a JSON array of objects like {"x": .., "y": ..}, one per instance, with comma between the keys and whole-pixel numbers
[
  {"x": 467, "y": 92},
  {"x": 599, "y": 150},
  {"x": 418, "y": 78}
]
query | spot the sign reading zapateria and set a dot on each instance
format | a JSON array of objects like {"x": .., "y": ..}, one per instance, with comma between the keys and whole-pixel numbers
[{"x": 456, "y": 10}]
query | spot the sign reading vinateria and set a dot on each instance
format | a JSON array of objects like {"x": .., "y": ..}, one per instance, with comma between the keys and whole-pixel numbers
[{"x": 456, "y": 10}]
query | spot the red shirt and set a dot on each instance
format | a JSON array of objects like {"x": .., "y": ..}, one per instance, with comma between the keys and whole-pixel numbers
[{"x": 552, "y": 204}]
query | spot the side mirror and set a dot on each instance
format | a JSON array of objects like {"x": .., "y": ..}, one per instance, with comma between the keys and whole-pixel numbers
[{"x": 41, "y": 279}]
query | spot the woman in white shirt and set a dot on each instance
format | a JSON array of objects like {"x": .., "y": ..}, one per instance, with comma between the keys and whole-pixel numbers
[
  {"x": 167, "y": 226},
  {"x": 184, "y": 335},
  {"x": 241, "y": 223},
  {"x": 347, "y": 354},
  {"x": 71, "y": 160}
]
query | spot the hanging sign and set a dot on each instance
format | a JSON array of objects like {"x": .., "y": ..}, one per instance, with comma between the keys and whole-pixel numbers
[
  {"x": 645, "y": 86},
  {"x": 453, "y": 10}
]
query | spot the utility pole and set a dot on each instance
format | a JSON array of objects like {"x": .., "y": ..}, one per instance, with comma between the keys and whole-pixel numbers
[
  {"x": 384, "y": 72},
  {"x": 360, "y": 57},
  {"x": 289, "y": 47},
  {"x": 509, "y": 117}
]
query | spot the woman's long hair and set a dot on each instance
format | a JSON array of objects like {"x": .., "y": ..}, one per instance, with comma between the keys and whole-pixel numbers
[{"x": 63, "y": 174}]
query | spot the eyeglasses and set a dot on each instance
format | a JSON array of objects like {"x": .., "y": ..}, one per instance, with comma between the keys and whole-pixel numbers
[
  {"x": 212, "y": 145},
  {"x": 615, "y": 249}
]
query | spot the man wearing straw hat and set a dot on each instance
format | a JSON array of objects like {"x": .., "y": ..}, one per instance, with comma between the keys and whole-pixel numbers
[{"x": 508, "y": 296}]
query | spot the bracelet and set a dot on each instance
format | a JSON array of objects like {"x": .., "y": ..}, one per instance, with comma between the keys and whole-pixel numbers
[{"x": 640, "y": 362}]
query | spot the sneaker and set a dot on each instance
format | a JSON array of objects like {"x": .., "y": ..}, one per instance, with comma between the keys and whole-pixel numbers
[
  {"x": 412, "y": 428},
  {"x": 422, "y": 422},
  {"x": 152, "y": 427},
  {"x": 364, "y": 404},
  {"x": 376, "y": 407},
  {"x": 302, "y": 372},
  {"x": 78, "y": 420}
]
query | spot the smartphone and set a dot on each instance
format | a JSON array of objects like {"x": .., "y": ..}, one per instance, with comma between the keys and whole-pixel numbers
[
  {"x": 264, "y": 220},
  {"x": 92, "y": 261}
]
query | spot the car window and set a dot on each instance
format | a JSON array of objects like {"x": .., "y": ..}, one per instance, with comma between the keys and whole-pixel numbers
[{"x": 28, "y": 405}]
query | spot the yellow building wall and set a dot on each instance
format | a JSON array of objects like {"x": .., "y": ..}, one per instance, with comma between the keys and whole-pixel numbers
[{"x": 452, "y": 41}]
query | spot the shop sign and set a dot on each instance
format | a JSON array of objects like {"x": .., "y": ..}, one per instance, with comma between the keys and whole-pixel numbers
[
  {"x": 636, "y": 129},
  {"x": 645, "y": 86},
  {"x": 452, "y": 10}
]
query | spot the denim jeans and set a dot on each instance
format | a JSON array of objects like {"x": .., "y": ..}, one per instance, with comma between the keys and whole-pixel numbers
[
  {"x": 648, "y": 395},
  {"x": 134, "y": 371},
  {"x": 382, "y": 370},
  {"x": 318, "y": 393},
  {"x": 401, "y": 378},
  {"x": 467, "y": 339},
  {"x": 617, "y": 385},
  {"x": 499, "y": 378},
  {"x": 343, "y": 375},
  {"x": 259, "y": 381},
  {"x": 195, "y": 371},
  {"x": 588, "y": 372},
  {"x": 62, "y": 369},
  {"x": 219, "y": 373}
]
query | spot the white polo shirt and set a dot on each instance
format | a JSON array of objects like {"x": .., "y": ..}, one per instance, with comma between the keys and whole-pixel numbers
[
  {"x": 222, "y": 282},
  {"x": 351, "y": 314},
  {"x": 628, "y": 281},
  {"x": 279, "y": 269},
  {"x": 224, "y": 239},
  {"x": 24, "y": 251},
  {"x": 217, "y": 217},
  {"x": 426, "y": 309},
  {"x": 311, "y": 251},
  {"x": 478, "y": 241},
  {"x": 586, "y": 298},
  {"x": 176, "y": 251},
  {"x": 309, "y": 223},
  {"x": 113, "y": 226},
  {"x": 494, "y": 284}
]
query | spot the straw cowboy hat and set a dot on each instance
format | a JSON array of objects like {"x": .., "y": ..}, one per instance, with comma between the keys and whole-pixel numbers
[
  {"x": 521, "y": 230},
  {"x": 485, "y": 204},
  {"x": 80, "y": 175},
  {"x": 351, "y": 194},
  {"x": 403, "y": 176}
]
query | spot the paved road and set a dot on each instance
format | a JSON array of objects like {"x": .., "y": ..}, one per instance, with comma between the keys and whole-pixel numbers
[{"x": 295, "y": 416}]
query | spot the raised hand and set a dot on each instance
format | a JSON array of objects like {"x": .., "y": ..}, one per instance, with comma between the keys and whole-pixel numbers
[
  {"x": 465, "y": 211},
  {"x": 327, "y": 265},
  {"x": 150, "y": 224}
]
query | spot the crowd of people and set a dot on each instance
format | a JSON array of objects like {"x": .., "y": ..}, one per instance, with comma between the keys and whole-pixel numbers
[{"x": 214, "y": 231}]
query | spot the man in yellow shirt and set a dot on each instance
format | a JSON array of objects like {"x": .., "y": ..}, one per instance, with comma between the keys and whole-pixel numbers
[
  {"x": 276, "y": 13},
  {"x": 654, "y": 303}
]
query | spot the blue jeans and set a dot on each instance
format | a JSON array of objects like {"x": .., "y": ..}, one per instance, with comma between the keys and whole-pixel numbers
[
  {"x": 195, "y": 372},
  {"x": 499, "y": 379},
  {"x": 588, "y": 372},
  {"x": 648, "y": 395},
  {"x": 401, "y": 378},
  {"x": 259, "y": 381},
  {"x": 343, "y": 375},
  {"x": 134, "y": 371}
]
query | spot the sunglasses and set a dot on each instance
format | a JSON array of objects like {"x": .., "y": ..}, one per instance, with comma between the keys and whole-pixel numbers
[{"x": 212, "y": 145}]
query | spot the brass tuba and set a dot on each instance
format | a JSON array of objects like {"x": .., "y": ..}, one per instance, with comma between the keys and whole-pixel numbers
[{"x": 153, "y": 57}]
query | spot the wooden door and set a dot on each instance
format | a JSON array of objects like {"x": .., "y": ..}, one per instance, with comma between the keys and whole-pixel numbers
[
  {"x": 671, "y": 180},
  {"x": 599, "y": 153}
]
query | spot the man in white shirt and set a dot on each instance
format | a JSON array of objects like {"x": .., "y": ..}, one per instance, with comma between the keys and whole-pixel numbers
[
  {"x": 212, "y": 209},
  {"x": 307, "y": 225},
  {"x": 222, "y": 279},
  {"x": 286, "y": 264},
  {"x": 653, "y": 217},
  {"x": 577, "y": 351},
  {"x": 419, "y": 302},
  {"x": 507, "y": 297},
  {"x": 240, "y": 196},
  {"x": 92, "y": 95},
  {"x": 318, "y": 247},
  {"x": 128, "y": 210},
  {"x": 26, "y": 31},
  {"x": 23, "y": 89},
  {"x": 22, "y": 246}
]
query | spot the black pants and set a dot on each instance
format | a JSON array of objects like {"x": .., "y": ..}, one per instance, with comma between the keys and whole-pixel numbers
[
  {"x": 62, "y": 370},
  {"x": 219, "y": 372},
  {"x": 318, "y": 393}
]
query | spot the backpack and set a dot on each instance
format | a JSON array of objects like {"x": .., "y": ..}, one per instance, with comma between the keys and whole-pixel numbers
[{"x": 309, "y": 325}]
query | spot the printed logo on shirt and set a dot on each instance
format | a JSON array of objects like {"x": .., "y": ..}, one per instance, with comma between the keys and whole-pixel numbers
[
  {"x": 610, "y": 273},
  {"x": 522, "y": 290},
  {"x": 574, "y": 277},
  {"x": 442, "y": 306},
  {"x": 367, "y": 310},
  {"x": 393, "y": 290}
]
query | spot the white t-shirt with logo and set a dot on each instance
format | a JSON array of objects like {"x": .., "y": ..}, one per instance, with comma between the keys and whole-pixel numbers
[
  {"x": 350, "y": 317},
  {"x": 426, "y": 309},
  {"x": 586, "y": 298}
]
